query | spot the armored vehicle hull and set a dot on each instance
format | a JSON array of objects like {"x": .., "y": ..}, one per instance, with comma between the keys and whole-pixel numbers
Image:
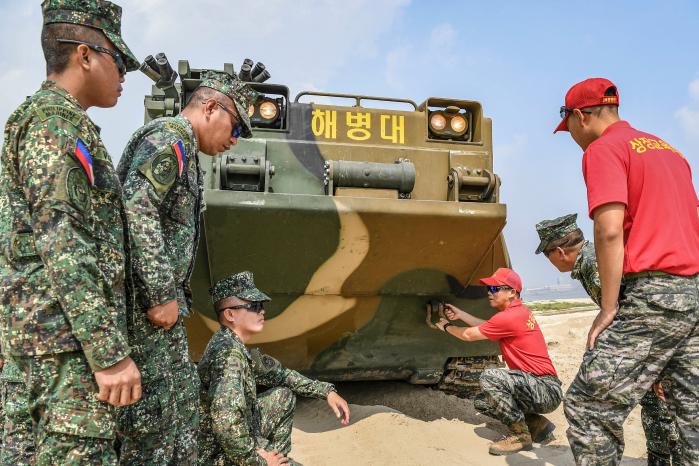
[{"x": 359, "y": 222}]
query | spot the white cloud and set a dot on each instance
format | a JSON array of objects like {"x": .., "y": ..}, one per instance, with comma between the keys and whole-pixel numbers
[{"x": 688, "y": 115}]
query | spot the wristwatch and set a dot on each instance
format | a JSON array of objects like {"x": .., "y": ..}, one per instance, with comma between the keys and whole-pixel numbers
[{"x": 447, "y": 325}]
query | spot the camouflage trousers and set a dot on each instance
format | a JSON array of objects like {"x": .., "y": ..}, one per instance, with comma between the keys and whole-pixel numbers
[
  {"x": 17, "y": 432},
  {"x": 274, "y": 417},
  {"x": 72, "y": 427},
  {"x": 662, "y": 434},
  {"x": 655, "y": 331},
  {"x": 162, "y": 427},
  {"x": 507, "y": 395}
]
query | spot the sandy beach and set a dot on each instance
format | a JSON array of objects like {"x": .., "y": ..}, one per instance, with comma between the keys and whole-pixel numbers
[{"x": 395, "y": 423}]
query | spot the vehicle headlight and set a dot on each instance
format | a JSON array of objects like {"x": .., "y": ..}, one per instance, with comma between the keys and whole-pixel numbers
[
  {"x": 268, "y": 110},
  {"x": 438, "y": 122},
  {"x": 458, "y": 123}
]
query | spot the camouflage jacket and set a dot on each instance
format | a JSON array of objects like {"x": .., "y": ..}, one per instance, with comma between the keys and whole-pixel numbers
[
  {"x": 229, "y": 374},
  {"x": 10, "y": 371},
  {"x": 163, "y": 187},
  {"x": 585, "y": 270},
  {"x": 62, "y": 234}
]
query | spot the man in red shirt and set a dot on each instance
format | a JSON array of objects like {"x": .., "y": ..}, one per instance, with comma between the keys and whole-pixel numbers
[
  {"x": 644, "y": 207},
  {"x": 517, "y": 396}
]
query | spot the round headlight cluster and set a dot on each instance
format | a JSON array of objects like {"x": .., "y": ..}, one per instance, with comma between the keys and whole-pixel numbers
[
  {"x": 458, "y": 123},
  {"x": 438, "y": 122},
  {"x": 268, "y": 110}
]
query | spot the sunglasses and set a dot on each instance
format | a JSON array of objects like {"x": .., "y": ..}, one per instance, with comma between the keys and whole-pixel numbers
[
  {"x": 237, "y": 127},
  {"x": 116, "y": 56},
  {"x": 256, "y": 307},
  {"x": 566, "y": 110},
  {"x": 494, "y": 289}
]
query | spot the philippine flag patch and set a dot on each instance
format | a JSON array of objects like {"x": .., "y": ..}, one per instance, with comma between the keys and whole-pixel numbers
[
  {"x": 85, "y": 159},
  {"x": 181, "y": 157}
]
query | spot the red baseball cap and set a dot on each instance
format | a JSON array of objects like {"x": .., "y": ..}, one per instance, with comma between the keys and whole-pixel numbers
[
  {"x": 503, "y": 276},
  {"x": 589, "y": 93}
]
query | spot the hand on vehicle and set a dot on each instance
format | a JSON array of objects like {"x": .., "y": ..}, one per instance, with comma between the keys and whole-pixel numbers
[
  {"x": 452, "y": 312},
  {"x": 339, "y": 407},
  {"x": 164, "y": 315},
  {"x": 120, "y": 384},
  {"x": 602, "y": 321},
  {"x": 440, "y": 325},
  {"x": 272, "y": 457}
]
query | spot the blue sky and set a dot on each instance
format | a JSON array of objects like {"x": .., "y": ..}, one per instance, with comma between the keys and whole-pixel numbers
[{"x": 517, "y": 58}]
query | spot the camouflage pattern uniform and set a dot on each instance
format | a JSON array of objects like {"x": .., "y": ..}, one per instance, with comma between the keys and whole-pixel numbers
[
  {"x": 235, "y": 420},
  {"x": 662, "y": 433},
  {"x": 163, "y": 186},
  {"x": 163, "y": 204},
  {"x": 62, "y": 267},
  {"x": 509, "y": 395},
  {"x": 17, "y": 440}
]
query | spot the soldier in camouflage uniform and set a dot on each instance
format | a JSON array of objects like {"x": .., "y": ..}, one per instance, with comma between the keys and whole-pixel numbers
[
  {"x": 240, "y": 426},
  {"x": 519, "y": 396},
  {"x": 565, "y": 246},
  {"x": 62, "y": 226},
  {"x": 163, "y": 188}
]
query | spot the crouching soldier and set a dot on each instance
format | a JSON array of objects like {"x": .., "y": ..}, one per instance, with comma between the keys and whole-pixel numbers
[
  {"x": 516, "y": 397},
  {"x": 238, "y": 426}
]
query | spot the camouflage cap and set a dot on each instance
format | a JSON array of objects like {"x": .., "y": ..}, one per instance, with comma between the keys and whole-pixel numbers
[
  {"x": 240, "y": 285},
  {"x": 98, "y": 14},
  {"x": 240, "y": 93},
  {"x": 551, "y": 230}
]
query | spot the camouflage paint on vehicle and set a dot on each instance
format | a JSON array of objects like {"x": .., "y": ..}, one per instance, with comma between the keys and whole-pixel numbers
[{"x": 351, "y": 256}]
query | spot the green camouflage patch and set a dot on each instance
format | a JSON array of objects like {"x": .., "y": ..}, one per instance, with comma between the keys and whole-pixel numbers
[
  {"x": 164, "y": 168},
  {"x": 78, "y": 188}
]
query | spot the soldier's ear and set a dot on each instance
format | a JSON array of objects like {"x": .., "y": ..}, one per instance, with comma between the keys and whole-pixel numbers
[{"x": 82, "y": 56}]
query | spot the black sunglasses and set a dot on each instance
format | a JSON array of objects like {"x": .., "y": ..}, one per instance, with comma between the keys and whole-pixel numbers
[
  {"x": 121, "y": 66},
  {"x": 256, "y": 307},
  {"x": 495, "y": 289},
  {"x": 566, "y": 110},
  {"x": 237, "y": 127}
]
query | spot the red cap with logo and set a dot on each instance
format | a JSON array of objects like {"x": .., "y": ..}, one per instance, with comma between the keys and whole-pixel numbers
[
  {"x": 589, "y": 93},
  {"x": 503, "y": 276}
]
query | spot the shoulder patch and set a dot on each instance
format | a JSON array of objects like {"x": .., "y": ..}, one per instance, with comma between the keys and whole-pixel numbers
[
  {"x": 71, "y": 116},
  {"x": 83, "y": 155},
  {"x": 164, "y": 168},
  {"x": 178, "y": 147},
  {"x": 78, "y": 188}
]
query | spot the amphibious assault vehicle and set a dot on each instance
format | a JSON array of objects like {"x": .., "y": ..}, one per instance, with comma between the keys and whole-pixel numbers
[{"x": 359, "y": 220}]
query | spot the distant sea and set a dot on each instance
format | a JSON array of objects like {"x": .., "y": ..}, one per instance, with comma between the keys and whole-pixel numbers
[{"x": 560, "y": 291}]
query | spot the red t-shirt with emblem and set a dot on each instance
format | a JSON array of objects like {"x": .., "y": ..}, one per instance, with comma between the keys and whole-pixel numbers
[
  {"x": 521, "y": 342},
  {"x": 654, "y": 181}
]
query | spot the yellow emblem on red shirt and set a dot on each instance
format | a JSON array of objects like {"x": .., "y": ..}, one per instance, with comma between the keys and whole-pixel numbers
[{"x": 531, "y": 323}]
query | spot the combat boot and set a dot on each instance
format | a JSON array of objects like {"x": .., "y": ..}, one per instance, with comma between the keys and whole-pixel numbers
[
  {"x": 519, "y": 440},
  {"x": 539, "y": 427}
]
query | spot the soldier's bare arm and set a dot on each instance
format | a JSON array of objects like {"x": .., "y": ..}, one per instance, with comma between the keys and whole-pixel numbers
[
  {"x": 609, "y": 248},
  {"x": 465, "y": 334},
  {"x": 454, "y": 313}
]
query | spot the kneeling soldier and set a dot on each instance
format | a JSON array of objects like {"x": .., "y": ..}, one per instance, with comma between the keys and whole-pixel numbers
[
  {"x": 516, "y": 397},
  {"x": 238, "y": 426}
]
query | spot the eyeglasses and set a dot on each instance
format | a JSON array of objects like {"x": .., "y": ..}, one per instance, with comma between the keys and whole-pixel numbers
[
  {"x": 237, "y": 127},
  {"x": 116, "y": 56},
  {"x": 256, "y": 307},
  {"x": 495, "y": 289},
  {"x": 565, "y": 110}
]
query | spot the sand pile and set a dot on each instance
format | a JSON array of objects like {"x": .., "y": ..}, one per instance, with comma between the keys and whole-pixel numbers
[{"x": 399, "y": 424}]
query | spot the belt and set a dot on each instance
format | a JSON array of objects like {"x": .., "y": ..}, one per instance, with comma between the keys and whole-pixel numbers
[{"x": 646, "y": 274}]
